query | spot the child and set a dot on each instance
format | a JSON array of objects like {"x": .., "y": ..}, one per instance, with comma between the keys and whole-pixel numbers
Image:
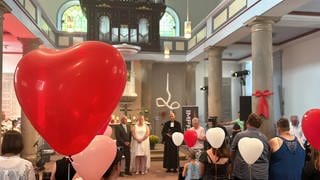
[{"x": 191, "y": 169}]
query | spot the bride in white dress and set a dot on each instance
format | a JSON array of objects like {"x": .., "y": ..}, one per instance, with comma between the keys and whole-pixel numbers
[{"x": 140, "y": 146}]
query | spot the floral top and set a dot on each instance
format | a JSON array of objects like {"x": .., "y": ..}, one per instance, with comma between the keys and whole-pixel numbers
[{"x": 14, "y": 167}]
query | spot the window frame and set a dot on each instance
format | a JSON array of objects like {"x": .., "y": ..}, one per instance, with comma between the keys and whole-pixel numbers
[
  {"x": 61, "y": 11},
  {"x": 176, "y": 18}
]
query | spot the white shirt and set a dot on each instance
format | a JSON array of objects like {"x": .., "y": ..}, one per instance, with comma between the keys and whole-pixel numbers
[
  {"x": 125, "y": 127},
  {"x": 201, "y": 133},
  {"x": 14, "y": 167},
  {"x": 297, "y": 131}
]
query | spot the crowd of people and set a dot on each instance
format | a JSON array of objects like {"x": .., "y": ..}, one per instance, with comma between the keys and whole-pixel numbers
[
  {"x": 286, "y": 156},
  {"x": 283, "y": 157},
  {"x": 8, "y": 124}
]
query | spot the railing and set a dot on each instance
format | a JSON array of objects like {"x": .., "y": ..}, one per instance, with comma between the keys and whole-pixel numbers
[
  {"x": 39, "y": 18},
  {"x": 225, "y": 12}
]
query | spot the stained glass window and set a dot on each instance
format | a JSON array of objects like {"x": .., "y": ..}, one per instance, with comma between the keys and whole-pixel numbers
[
  {"x": 73, "y": 20},
  {"x": 169, "y": 24}
]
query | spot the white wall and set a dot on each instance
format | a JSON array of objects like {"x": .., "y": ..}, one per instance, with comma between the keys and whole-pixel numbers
[
  {"x": 10, "y": 62},
  {"x": 228, "y": 68},
  {"x": 301, "y": 76}
]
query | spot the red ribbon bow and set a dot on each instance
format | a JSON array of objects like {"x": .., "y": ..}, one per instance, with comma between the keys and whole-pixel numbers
[{"x": 263, "y": 108}]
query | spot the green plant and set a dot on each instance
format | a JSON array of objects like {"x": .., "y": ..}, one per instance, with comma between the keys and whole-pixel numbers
[{"x": 153, "y": 139}]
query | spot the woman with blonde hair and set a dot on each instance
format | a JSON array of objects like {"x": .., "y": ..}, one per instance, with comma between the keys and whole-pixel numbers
[
  {"x": 191, "y": 170},
  {"x": 311, "y": 169},
  {"x": 140, "y": 151}
]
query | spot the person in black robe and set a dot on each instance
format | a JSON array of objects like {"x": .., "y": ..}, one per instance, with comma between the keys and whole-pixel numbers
[{"x": 170, "y": 156}]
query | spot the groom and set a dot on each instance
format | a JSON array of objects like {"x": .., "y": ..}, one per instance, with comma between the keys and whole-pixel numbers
[{"x": 123, "y": 137}]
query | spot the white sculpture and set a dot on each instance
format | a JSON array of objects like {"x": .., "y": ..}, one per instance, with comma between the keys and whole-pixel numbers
[{"x": 173, "y": 105}]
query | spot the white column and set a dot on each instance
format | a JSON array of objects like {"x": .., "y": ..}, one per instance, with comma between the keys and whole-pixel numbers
[
  {"x": 262, "y": 66},
  {"x": 214, "y": 80},
  {"x": 29, "y": 134},
  {"x": 3, "y": 9}
]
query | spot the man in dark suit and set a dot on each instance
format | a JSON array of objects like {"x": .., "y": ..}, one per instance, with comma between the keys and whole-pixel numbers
[{"x": 123, "y": 137}]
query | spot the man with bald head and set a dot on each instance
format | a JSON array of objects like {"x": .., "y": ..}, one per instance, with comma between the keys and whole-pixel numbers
[
  {"x": 198, "y": 147},
  {"x": 123, "y": 137}
]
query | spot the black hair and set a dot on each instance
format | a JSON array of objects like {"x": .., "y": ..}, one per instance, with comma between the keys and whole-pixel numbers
[
  {"x": 283, "y": 124},
  {"x": 12, "y": 142}
]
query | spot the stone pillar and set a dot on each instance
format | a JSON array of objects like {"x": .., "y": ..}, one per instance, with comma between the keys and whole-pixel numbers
[
  {"x": 262, "y": 66},
  {"x": 29, "y": 134},
  {"x": 214, "y": 80},
  {"x": 146, "y": 85},
  {"x": 190, "y": 94},
  {"x": 3, "y": 9}
]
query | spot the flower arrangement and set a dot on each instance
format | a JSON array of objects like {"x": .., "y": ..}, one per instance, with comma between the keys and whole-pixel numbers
[{"x": 153, "y": 141}]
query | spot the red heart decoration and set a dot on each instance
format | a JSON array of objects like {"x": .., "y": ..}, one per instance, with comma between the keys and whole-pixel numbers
[
  {"x": 311, "y": 127},
  {"x": 69, "y": 94},
  {"x": 190, "y": 137}
]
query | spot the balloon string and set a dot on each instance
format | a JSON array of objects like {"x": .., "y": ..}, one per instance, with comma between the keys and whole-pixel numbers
[
  {"x": 178, "y": 160},
  {"x": 68, "y": 171},
  {"x": 69, "y": 168},
  {"x": 216, "y": 169},
  {"x": 250, "y": 172}
]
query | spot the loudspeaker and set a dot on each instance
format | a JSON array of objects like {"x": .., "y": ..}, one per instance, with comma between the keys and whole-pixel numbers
[{"x": 245, "y": 107}]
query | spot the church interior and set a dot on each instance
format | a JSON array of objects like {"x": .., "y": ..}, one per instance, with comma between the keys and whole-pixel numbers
[{"x": 199, "y": 58}]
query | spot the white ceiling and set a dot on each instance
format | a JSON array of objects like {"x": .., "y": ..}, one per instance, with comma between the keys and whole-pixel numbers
[
  {"x": 289, "y": 27},
  {"x": 312, "y": 6},
  {"x": 302, "y": 21}
]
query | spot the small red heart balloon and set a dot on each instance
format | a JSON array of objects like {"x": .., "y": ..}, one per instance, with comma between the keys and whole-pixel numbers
[
  {"x": 311, "y": 127},
  {"x": 190, "y": 137},
  {"x": 69, "y": 94}
]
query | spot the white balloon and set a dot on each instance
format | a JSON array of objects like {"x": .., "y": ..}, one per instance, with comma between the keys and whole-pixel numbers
[
  {"x": 177, "y": 138},
  {"x": 215, "y": 136},
  {"x": 250, "y": 149}
]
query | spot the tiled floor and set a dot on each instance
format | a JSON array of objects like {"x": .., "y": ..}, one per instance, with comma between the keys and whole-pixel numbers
[{"x": 156, "y": 171}]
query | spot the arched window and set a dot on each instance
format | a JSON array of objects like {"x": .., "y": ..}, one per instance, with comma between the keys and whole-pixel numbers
[
  {"x": 169, "y": 24},
  {"x": 71, "y": 18},
  {"x": 143, "y": 30}
]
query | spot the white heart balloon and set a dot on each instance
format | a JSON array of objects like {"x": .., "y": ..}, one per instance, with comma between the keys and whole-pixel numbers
[
  {"x": 250, "y": 149},
  {"x": 215, "y": 136},
  {"x": 177, "y": 138}
]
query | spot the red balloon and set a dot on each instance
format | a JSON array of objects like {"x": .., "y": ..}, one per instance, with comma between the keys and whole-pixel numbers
[
  {"x": 190, "y": 137},
  {"x": 68, "y": 95},
  {"x": 103, "y": 127},
  {"x": 311, "y": 127}
]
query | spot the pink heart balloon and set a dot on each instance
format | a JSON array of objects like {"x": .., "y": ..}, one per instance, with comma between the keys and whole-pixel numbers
[
  {"x": 95, "y": 159},
  {"x": 311, "y": 127}
]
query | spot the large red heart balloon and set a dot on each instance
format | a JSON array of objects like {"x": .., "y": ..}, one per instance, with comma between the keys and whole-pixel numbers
[
  {"x": 311, "y": 127},
  {"x": 69, "y": 94},
  {"x": 190, "y": 137}
]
